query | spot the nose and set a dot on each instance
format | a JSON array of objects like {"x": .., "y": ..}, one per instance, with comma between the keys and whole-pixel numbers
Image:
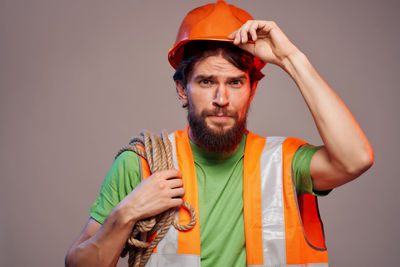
[{"x": 221, "y": 96}]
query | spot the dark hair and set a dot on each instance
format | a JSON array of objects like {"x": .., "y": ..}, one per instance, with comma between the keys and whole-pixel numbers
[{"x": 196, "y": 51}]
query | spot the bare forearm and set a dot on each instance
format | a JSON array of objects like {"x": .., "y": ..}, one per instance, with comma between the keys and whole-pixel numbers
[
  {"x": 347, "y": 152},
  {"x": 344, "y": 140},
  {"x": 101, "y": 245},
  {"x": 105, "y": 246}
]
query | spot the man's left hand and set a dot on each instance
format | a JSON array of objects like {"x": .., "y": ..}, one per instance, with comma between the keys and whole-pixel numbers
[{"x": 265, "y": 40}]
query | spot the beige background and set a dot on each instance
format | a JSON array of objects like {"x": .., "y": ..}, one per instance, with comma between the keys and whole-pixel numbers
[{"x": 79, "y": 78}]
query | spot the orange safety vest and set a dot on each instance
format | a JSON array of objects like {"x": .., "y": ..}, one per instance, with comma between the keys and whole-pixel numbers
[{"x": 281, "y": 228}]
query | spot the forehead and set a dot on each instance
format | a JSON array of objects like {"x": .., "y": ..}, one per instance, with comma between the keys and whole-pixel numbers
[{"x": 216, "y": 66}]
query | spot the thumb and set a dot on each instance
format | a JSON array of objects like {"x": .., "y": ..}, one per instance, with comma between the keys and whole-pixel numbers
[{"x": 247, "y": 47}]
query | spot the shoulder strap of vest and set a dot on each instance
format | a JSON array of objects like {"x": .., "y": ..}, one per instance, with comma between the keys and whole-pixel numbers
[
  {"x": 188, "y": 241},
  {"x": 252, "y": 198},
  {"x": 144, "y": 166}
]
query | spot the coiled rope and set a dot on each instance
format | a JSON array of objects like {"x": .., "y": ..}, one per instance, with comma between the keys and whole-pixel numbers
[{"x": 157, "y": 150}]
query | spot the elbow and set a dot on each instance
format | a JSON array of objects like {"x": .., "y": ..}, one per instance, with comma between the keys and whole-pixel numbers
[
  {"x": 360, "y": 164},
  {"x": 67, "y": 260},
  {"x": 72, "y": 257}
]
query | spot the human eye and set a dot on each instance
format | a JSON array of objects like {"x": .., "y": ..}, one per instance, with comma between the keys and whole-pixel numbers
[
  {"x": 205, "y": 82},
  {"x": 236, "y": 83}
]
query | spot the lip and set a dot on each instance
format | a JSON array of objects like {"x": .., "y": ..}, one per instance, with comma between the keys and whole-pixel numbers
[{"x": 219, "y": 119}]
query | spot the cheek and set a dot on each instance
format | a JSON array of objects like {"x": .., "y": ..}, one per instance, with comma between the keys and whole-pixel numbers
[
  {"x": 194, "y": 104},
  {"x": 202, "y": 100},
  {"x": 242, "y": 104},
  {"x": 244, "y": 110}
]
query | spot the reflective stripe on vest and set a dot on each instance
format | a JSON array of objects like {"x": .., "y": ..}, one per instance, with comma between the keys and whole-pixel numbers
[{"x": 281, "y": 229}]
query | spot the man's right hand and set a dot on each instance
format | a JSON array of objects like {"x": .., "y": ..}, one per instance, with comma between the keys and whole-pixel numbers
[{"x": 159, "y": 192}]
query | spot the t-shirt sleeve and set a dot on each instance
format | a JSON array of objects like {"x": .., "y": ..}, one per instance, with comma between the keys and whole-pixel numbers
[
  {"x": 121, "y": 179},
  {"x": 301, "y": 171}
]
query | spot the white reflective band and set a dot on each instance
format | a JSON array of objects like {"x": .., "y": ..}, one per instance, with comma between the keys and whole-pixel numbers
[
  {"x": 171, "y": 138},
  {"x": 169, "y": 244},
  {"x": 273, "y": 221},
  {"x": 173, "y": 260}
]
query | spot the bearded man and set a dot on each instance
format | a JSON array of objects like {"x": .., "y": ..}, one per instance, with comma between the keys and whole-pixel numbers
[{"x": 255, "y": 196}]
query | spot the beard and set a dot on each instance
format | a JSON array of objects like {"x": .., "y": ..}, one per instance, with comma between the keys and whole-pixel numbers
[{"x": 217, "y": 140}]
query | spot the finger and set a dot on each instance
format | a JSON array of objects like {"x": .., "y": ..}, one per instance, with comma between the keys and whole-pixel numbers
[
  {"x": 253, "y": 30},
  {"x": 236, "y": 41},
  {"x": 243, "y": 36},
  {"x": 177, "y": 192},
  {"x": 176, "y": 202},
  {"x": 267, "y": 26},
  {"x": 168, "y": 174},
  {"x": 175, "y": 183},
  {"x": 232, "y": 35},
  {"x": 244, "y": 30}
]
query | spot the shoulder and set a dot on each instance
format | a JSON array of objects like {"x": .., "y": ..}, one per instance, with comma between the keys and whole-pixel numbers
[
  {"x": 126, "y": 157},
  {"x": 126, "y": 164},
  {"x": 293, "y": 142},
  {"x": 276, "y": 139},
  {"x": 289, "y": 144},
  {"x": 120, "y": 180},
  {"x": 124, "y": 170}
]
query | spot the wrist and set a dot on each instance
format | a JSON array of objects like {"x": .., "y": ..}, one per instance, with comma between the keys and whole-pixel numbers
[
  {"x": 122, "y": 217},
  {"x": 293, "y": 62}
]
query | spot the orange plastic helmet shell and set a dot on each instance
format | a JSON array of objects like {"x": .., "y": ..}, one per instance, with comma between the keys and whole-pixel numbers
[{"x": 209, "y": 22}]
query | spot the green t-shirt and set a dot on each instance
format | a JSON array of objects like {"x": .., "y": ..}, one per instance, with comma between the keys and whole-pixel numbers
[{"x": 220, "y": 198}]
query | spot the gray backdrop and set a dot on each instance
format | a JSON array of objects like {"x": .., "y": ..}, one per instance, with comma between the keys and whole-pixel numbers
[{"x": 79, "y": 78}]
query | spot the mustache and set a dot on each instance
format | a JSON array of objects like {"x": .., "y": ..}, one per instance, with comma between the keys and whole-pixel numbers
[{"x": 218, "y": 111}]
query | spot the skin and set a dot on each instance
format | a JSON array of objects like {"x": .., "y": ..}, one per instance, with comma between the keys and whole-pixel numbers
[
  {"x": 219, "y": 89},
  {"x": 346, "y": 153},
  {"x": 101, "y": 245}
]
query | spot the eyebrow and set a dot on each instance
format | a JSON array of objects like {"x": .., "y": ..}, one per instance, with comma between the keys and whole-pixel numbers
[
  {"x": 210, "y": 77},
  {"x": 240, "y": 77},
  {"x": 204, "y": 77}
]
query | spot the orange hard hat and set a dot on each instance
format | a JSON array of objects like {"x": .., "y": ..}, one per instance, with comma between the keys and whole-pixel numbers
[{"x": 213, "y": 22}]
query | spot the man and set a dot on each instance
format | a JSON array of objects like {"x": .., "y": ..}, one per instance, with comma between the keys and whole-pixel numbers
[{"x": 239, "y": 183}]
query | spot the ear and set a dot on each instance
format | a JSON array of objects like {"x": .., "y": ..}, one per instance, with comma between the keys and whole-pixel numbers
[
  {"x": 253, "y": 90},
  {"x": 180, "y": 89}
]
